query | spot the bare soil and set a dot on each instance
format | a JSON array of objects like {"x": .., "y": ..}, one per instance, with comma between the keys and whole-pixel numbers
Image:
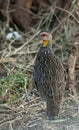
[{"x": 31, "y": 115}]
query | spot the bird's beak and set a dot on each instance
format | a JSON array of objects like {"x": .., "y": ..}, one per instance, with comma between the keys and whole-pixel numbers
[{"x": 38, "y": 34}]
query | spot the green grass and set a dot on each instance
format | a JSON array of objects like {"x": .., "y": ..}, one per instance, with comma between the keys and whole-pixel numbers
[{"x": 13, "y": 86}]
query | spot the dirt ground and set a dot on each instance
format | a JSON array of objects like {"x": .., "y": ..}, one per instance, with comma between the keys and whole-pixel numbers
[{"x": 31, "y": 115}]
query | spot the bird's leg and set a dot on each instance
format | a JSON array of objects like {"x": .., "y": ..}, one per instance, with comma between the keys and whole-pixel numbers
[{"x": 52, "y": 109}]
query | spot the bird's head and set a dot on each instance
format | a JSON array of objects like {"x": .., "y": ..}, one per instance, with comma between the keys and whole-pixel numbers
[{"x": 45, "y": 37}]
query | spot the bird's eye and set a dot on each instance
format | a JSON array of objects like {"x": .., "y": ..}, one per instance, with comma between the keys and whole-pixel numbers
[{"x": 43, "y": 35}]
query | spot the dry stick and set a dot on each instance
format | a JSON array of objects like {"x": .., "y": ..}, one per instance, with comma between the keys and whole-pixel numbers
[
  {"x": 3, "y": 60},
  {"x": 66, "y": 11},
  {"x": 11, "y": 121},
  {"x": 26, "y": 43},
  {"x": 71, "y": 69},
  {"x": 22, "y": 53},
  {"x": 71, "y": 61},
  {"x": 7, "y": 13}
]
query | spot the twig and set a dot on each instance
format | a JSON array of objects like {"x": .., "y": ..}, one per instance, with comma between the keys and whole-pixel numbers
[
  {"x": 26, "y": 43},
  {"x": 66, "y": 11}
]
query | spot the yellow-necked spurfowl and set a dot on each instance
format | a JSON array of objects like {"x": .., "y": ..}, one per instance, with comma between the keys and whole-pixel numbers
[{"x": 49, "y": 76}]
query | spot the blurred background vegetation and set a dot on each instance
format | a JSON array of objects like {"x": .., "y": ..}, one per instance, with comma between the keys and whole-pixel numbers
[{"x": 20, "y": 21}]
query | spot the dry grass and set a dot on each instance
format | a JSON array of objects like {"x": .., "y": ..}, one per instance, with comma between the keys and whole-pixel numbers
[{"x": 32, "y": 115}]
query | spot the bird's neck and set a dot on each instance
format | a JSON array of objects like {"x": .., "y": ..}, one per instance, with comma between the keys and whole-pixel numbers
[
  {"x": 47, "y": 49},
  {"x": 45, "y": 43}
]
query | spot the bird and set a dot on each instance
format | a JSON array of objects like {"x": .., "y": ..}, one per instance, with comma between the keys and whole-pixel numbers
[{"x": 49, "y": 76}]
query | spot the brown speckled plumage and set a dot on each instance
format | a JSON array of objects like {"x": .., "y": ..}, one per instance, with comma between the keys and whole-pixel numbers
[{"x": 49, "y": 79}]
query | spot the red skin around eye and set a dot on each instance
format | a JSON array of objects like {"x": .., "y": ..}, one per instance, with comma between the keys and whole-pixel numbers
[{"x": 42, "y": 35}]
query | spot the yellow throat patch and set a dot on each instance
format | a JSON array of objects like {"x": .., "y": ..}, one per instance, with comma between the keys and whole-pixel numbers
[{"x": 45, "y": 43}]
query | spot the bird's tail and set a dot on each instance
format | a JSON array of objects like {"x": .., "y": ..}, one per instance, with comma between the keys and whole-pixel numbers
[{"x": 53, "y": 108}]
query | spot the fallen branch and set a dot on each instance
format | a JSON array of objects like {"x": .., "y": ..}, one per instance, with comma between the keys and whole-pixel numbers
[{"x": 73, "y": 53}]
